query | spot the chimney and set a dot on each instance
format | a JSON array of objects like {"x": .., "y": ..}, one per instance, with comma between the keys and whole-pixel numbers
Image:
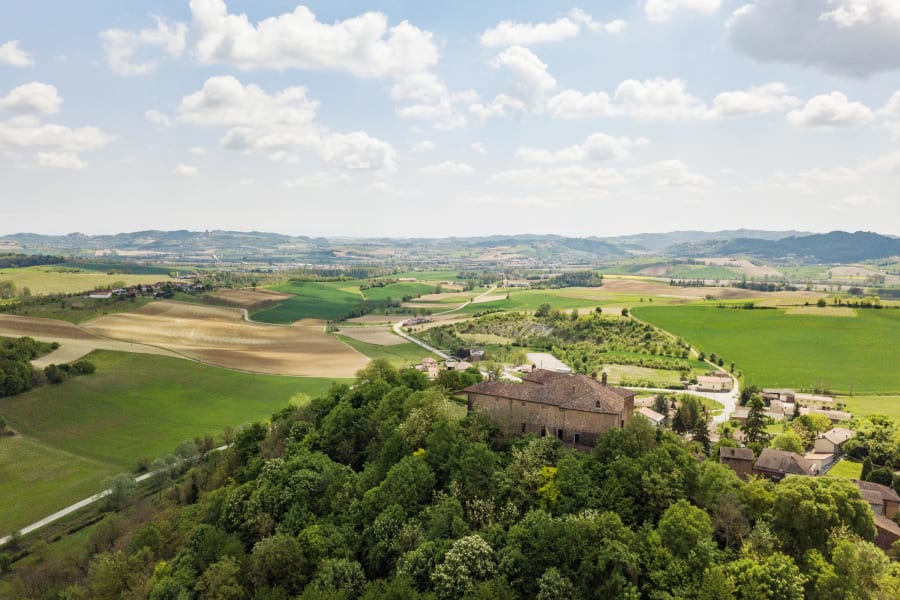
[{"x": 603, "y": 378}]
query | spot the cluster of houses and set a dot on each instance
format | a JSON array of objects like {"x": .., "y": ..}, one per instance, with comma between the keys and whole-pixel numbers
[
  {"x": 784, "y": 403},
  {"x": 162, "y": 289},
  {"x": 778, "y": 464},
  {"x": 717, "y": 381},
  {"x": 432, "y": 368}
]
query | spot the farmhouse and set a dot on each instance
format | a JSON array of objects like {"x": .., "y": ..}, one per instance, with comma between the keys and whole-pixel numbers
[
  {"x": 574, "y": 408},
  {"x": 885, "y": 504},
  {"x": 739, "y": 459},
  {"x": 814, "y": 401},
  {"x": 832, "y": 441},
  {"x": 778, "y": 464},
  {"x": 651, "y": 415},
  {"x": 713, "y": 383}
]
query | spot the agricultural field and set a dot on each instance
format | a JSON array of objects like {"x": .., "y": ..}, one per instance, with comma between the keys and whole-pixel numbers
[
  {"x": 701, "y": 272},
  {"x": 249, "y": 298},
  {"x": 76, "y": 310},
  {"x": 377, "y": 335},
  {"x": 776, "y": 349},
  {"x": 135, "y": 406},
  {"x": 397, "y": 291},
  {"x": 863, "y": 406},
  {"x": 399, "y": 355},
  {"x": 328, "y": 300},
  {"x": 220, "y": 336},
  {"x": 45, "y": 280}
]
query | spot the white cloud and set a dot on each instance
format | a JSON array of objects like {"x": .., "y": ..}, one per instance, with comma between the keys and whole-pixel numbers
[
  {"x": 122, "y": 47},
  {"x": 854, "y": 38},
  {"x": 157, "y": 118},
  {"x": 432, "y": 101},
  {"x": 830, "y": 111},
  {"x": 358, "y": 151},
  {"x": 861, "y": 201},
  {"x": 579, "y": 16},
  {"x": 30, "y": 132},
  {"x": 247, "y": 181},
  {"x": 59, "y": 160},
  {"x": 510, "y": 33},
  {"x": 663, "y": 10},
  {"x": 479, "y": 148},
  {"x": 186, "y": 170},
  {"x": 767, "y": 98},
  {"x": 572, "y": 104},
  {"x": 197, "y": 150},
  {"x": 226, "y": 101},
  {"x": 32, "y": 97},
  {"x": 658, "y": 99},
  {"x": 669, "y": 174},
  {"x": 530, "y": 83},
  {"x": 363, "y": 45},
  {"x": 422, "y": 146},
  {"x": 598, "y": 146},
  {"x": 450, "y": 167},
  {"x": 12, "y": 55}
]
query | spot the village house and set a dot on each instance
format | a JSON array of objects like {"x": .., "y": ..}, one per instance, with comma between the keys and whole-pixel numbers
[
  {"x": 814, "y": 401},
  {"x": 713, "y": 383},
  {"x": 576, "y": 409},
  {"x": 832, "y": 441},
  {"x": 777, "y": 395},
  {"x": 778, "y": 464},
  {"x": 655, "y": 418},
  {"x": 739, "y": 459},
  {"x": 885, "y": 504},
  {"x": 835, "y": 416}
]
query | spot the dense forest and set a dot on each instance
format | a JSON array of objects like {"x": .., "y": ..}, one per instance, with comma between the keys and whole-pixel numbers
[
  {"x": 377, "y": 491},
  {"x": 9, "y": 261}
]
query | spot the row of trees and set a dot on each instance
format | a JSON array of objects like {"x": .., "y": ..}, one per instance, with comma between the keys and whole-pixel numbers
[{"x": 376, "y": 491}]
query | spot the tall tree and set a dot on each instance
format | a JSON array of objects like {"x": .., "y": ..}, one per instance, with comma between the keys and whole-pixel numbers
[{"x": 755, "y": 426}]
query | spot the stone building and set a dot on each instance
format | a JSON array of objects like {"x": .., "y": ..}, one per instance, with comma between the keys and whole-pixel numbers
[{"x": 575, "y": 409}]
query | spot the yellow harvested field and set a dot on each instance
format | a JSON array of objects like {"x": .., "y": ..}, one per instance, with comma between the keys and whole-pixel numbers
[
  {"x": 46, "y": 280},
  {"x": 743, "y": 266},
  {"x": 376, "y": 319},
  {"x": 380, "y": 336},
  {"x": 489, "y": 298},
  {"x": 458, "y": 297},
  {"x": 74, "y": 342},
  {"x": 220, "y": 336},
  {"x": 823, "y": 311},
  {"x": 250, "y": 297}
]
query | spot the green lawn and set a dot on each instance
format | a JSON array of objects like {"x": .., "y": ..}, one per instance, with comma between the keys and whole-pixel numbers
[
  {"x": 399, "y": 355},
  {"x": 869, "y": 405},
  {"x": 775, "y": 349},
  {"x": 135, "y": 406},
  {"x": 312, "y": 300},
  {"x": 397, "y": 291},
  {"x": 846, "y": 468}
]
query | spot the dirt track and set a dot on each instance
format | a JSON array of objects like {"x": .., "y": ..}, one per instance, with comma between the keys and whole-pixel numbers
[{"x": 221, "y": 337}]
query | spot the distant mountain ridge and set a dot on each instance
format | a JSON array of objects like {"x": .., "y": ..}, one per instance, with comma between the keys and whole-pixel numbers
[{"x": 833, "y": 247}]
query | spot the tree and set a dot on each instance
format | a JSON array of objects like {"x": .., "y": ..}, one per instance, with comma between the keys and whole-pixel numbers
[
  {"x": 755, "y": 426},
  {"x": 121, "y": 488},
  {"x": 469, "y": 561},
  {"x": 2, "y": 425},
  {"x": 624, "y": 312},
  {"x": 543, "y": 310},
  {"x": 867, "y": 467},
  {"x": 789, "y": 441},
  {"x": 775, "y": 577},
  {"x": 277, "y": 561},
  {"x": 221, "y": 581}
]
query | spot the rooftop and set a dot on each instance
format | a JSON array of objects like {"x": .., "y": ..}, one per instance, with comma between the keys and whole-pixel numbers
[
  {"x": 574, "y": 392},
  {"x": 781, "y": 461},
  {"x": 838, "y": 435}
]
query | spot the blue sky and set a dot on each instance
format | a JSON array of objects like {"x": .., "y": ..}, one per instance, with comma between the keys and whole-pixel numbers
[{"x": 423, "y": 119}]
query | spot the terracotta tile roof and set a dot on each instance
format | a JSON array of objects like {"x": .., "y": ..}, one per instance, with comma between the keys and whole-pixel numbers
[
  {"x": 573, "y": 392},
  {"x": 780, "y": 461}
]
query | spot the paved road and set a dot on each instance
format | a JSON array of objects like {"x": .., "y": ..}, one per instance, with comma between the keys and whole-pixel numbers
[
  {"x": 79, "y": 505},
  {"x": 726, "y": 399},
  {"x": 398, "y": 326}
]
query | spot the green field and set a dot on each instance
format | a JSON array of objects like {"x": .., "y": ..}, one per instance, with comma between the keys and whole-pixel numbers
[
  {"x": 396, "y": 291},
  {"x": 399, "y": 355},
  {"x": 328, "y": 300},
  {"x": 77, "y": 310},
  {"x": 135, "y": 406},
  {"x": 59, "y": 280},
  {"x": 869, "y": 405},
  {"x": 775, "y": 349}
]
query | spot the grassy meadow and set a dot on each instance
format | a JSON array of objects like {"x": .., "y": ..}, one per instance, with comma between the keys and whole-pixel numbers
[
  {"x": 776, "y": 349},
  {"x": 135, "y": 406},
  {"x": 53, "y": 279},
  {"x": 399, "y": 355}
]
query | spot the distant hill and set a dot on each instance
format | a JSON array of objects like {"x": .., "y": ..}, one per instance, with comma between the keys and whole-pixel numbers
[
  {"x": 657, "y": 242},
  {"x": 833, "y": 247}
]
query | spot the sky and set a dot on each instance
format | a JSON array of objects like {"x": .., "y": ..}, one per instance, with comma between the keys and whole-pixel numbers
[{"x": 431, "y": 119}]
